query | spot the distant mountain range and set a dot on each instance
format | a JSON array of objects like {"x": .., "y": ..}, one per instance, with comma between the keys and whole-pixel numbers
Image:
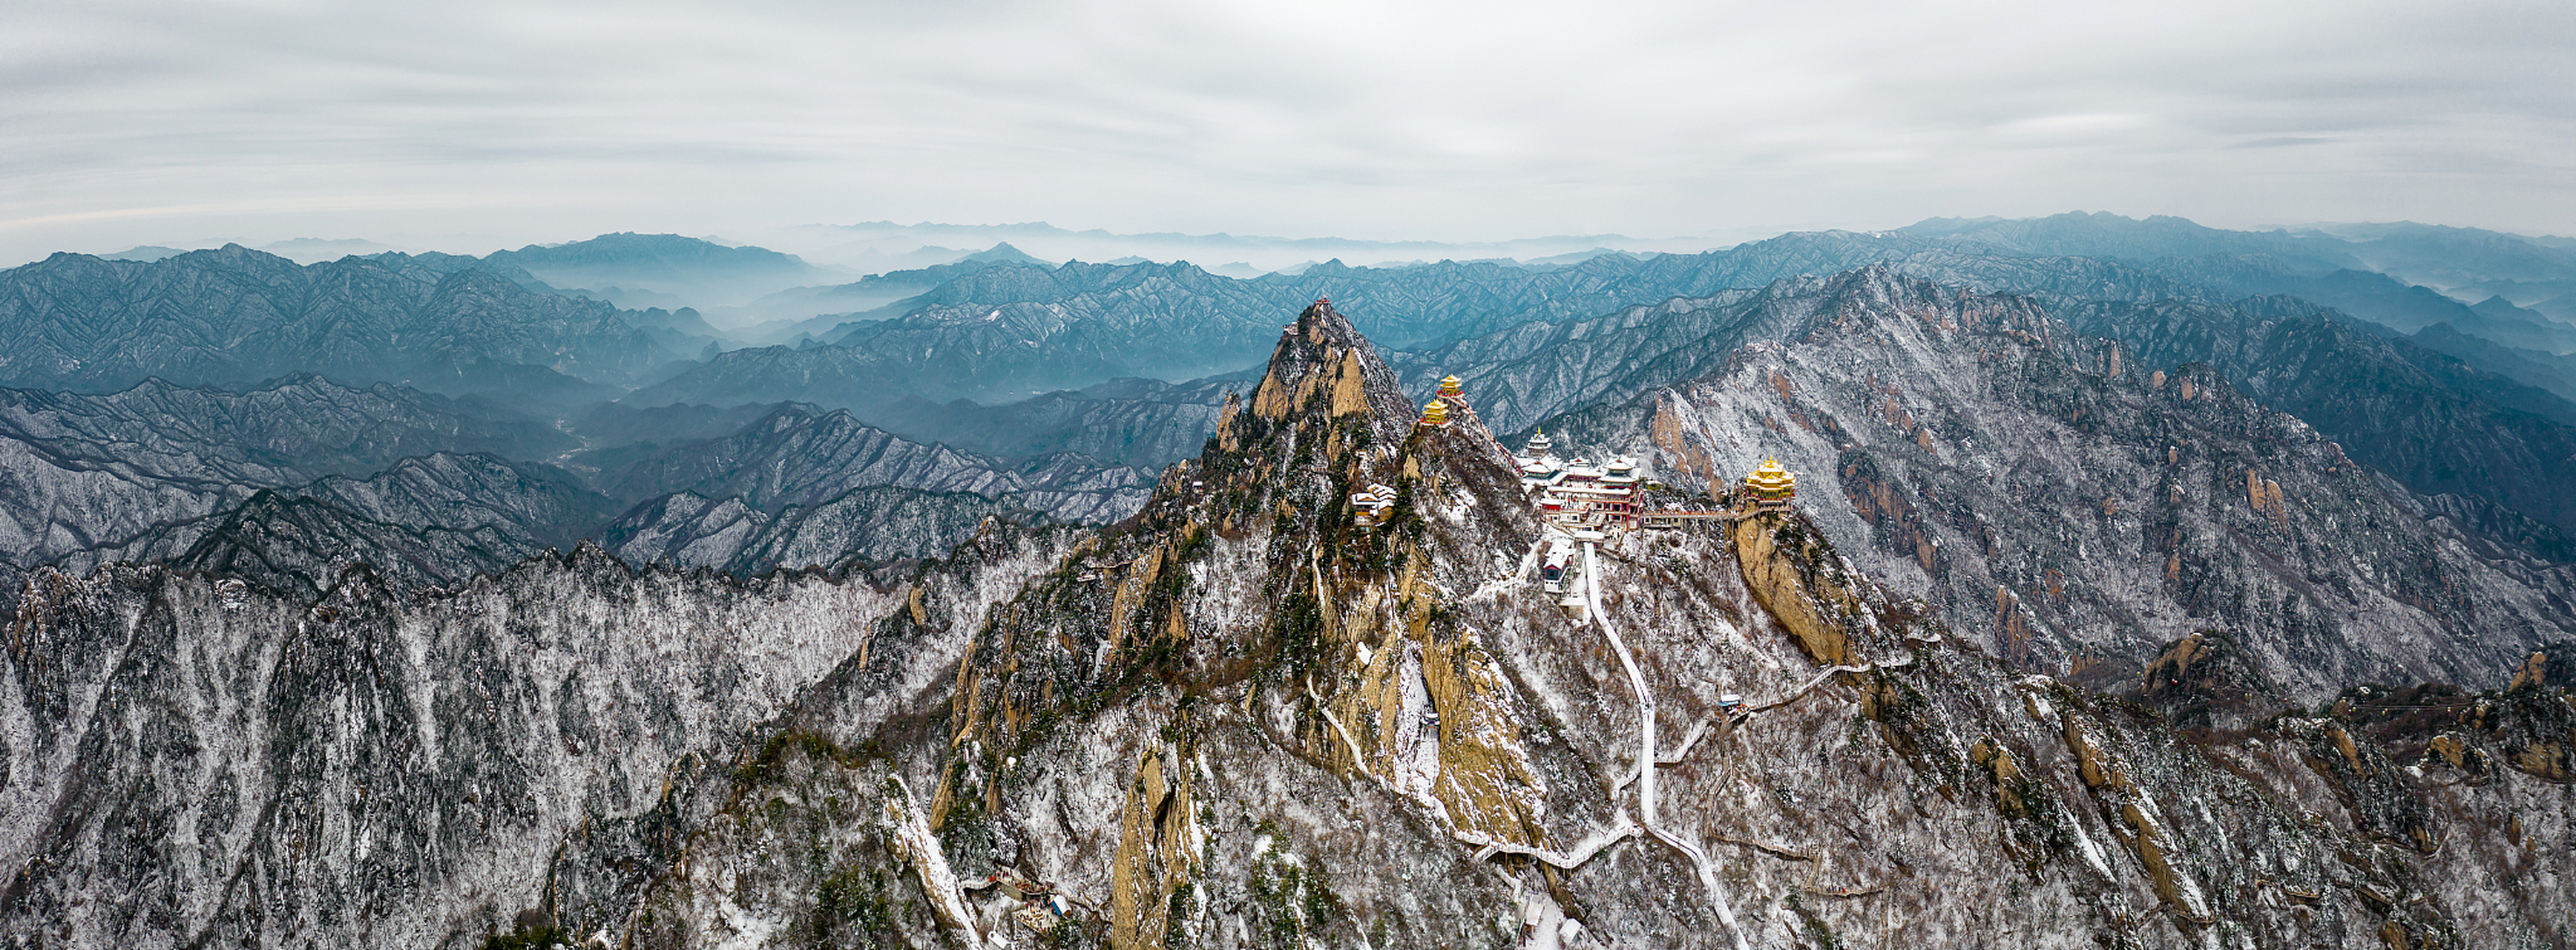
[
  {"x": 240, "y": 316},
  {"x": 884, "y": 245},
  {"x": 1002, "y": 332},
  {"x": 1045, "y": 390},
  {"x": 289, "y": 483},
  {"x": 670, "y": 267},
  {"x": 2143, "y": 585}
]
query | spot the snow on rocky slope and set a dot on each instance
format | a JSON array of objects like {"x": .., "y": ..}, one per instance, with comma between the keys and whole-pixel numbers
[
  {"x": 1233, "y": 719},
  {"x": 2075, "y": 510}
]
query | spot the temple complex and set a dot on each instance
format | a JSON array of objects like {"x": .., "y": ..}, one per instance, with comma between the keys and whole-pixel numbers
[
  {"x": 1579, "y": 494},
  {"x": 1579, "y": 497}
]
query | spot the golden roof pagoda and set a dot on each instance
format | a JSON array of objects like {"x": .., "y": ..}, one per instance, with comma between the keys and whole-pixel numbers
[
  {"x": 1769, "y": 484},
  {"x": 1449, "y": 386},
  {"x": 1435, "y": 413}
]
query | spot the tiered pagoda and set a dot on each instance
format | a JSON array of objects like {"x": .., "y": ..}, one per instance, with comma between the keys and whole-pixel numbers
[{"x": 1769, "y": 485}]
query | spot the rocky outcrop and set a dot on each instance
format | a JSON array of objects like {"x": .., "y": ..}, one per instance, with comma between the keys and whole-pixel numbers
[
  {"x": 1160, "y": 842},
  {"x": 1323, "y": 367},
  {"x": 1777, "y": 576},
  {"x": 2206, "y": 681}
]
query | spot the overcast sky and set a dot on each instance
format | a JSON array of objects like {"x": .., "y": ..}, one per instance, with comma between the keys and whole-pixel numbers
[{"x": 504, "y": 123}]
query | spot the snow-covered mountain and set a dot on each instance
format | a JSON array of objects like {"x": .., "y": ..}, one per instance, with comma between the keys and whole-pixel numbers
[{"x": 1239, "y": 718}]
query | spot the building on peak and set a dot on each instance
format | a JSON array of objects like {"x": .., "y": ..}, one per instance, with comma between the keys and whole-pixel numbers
[
  {"x": 1371, "y": 506},
  {"x": 1580, "y": 494},
  {"x": 1769, "y": 485},
  {"x": 1454, "y": 393},
  {"x": 1435, "y": 413}
]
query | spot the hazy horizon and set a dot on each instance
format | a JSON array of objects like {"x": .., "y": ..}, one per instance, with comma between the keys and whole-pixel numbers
[
  {"x": 497, "y": 125},
  {"x": 850, "y": 248}
]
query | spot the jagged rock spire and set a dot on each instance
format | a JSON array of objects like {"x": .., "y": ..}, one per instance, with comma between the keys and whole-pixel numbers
[{"x": 1323, "y": 356}]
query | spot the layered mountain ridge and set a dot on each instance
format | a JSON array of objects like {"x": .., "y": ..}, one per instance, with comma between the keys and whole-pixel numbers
[
  {"x": 1007, "y": 332},
  {"x": 432, "y": 490},
  {"x": 2068, "y": 505},
  {"x": 1242, "y": 717},
  {"x": 238, "y": 316}
]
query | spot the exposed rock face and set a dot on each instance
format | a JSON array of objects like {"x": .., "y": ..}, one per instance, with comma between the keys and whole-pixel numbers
[
  {"x": 1773, "y": 575},
  {"x": 1235, "y": 718},
  {"x": 1323, "y": 367},
  {"x": 2206, "y": 681},
  {"x": 2553, "y": 665},
  {"x": 2074, "y": 518}
]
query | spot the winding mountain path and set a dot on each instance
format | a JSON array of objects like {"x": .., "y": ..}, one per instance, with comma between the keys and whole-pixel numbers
[{"x": 1646, "y": 749}]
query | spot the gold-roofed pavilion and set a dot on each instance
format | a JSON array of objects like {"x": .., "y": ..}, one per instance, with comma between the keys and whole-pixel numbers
[{"x": 1770, "y": 485}]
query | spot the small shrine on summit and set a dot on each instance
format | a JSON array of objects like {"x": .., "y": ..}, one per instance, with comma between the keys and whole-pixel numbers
[
  {"x": 1769, "y": 485},
  {"x": 1451, "y": 402}
]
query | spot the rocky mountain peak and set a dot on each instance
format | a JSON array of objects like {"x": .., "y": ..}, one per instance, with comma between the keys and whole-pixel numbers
[
  {"x": 1323, "y": 366},
  {"x": 1319, "y": 323}
]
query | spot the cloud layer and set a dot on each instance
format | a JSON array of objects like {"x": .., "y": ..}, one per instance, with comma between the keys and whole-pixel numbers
[{"x": 134, "y": 122}]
